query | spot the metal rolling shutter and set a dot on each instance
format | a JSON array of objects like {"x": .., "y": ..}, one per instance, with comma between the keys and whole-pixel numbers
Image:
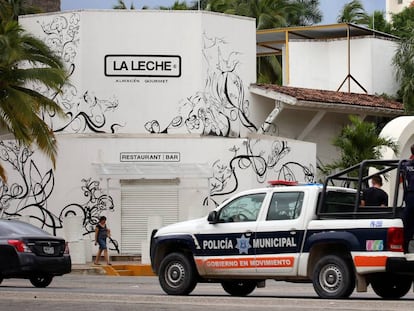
[{"x": 143, "y": 198}]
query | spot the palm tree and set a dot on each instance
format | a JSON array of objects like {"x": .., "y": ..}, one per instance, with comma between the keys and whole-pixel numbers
[
  {"x": 14, "y": 8},
  {"x": 353, "y": 12},
  {"x": 378, "y": 22},
  {"x": 222, "y": 6},
  {"x": 269, "y": 69},
  {"x": 24, "y": 60},
  {"x": 271, "y": 13},
  {"x": 402, "y": 23},
  {"x": 268, "y": 14},
  {"x": 404, "y": 63},
  {"x": 274, "y": 14},
  {"x": 358, "y": 141},
  {"x": 307, "y": 12},
  {"x": 177, "y": 6},
  {"x": 403, "y": 60},
  {"x": 122, "y": 6}
]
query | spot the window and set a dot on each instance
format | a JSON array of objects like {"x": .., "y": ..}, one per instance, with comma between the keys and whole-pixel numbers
[
  {"x": 339, "y": 202},
  {"x": 400, "y": 1},
  {"x": 245, "y": 208},
  {"x": 285, "y": 205}
]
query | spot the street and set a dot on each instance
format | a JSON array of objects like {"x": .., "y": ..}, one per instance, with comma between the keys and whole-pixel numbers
[{"x": 90, "y": 292}]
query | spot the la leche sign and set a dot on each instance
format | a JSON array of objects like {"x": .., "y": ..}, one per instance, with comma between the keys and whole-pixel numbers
[{"x": 143, "y": 66}]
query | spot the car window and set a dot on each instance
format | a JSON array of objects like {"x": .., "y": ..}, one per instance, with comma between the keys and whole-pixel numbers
[
  {"x": 285, "y": 205},
  {"x": 245, "y": 208},
  {"x": 10, "y": 227}
]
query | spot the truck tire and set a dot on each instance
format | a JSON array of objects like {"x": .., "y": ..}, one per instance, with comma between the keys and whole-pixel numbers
[
  {"x": 333, "y": 277},
  {"x": 239, "y": 288},
  {"x": 177, "y": 274},
  {"x": 391, "y": 286}
]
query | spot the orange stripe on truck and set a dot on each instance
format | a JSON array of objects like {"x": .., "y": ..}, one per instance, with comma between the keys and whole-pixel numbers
[
  {"x": 246, "y": 262},
  {"x": 370, "y": 261}
]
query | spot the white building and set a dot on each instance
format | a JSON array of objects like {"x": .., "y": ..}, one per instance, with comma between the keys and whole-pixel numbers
[
  {"x": 165, "y": 119},
  {"x": 395, "y": 7},
  {"x": 330, "y": 72},
  {"x": 160, "y": 123}
]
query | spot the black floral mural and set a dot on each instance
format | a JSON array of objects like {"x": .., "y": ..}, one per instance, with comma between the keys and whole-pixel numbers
[
  {"x": 225, "y": 180},
  {"x": 90, "y": 211},
  {"x": 28, "y": 193},
  {"x": 218, "y": 110},
  {"x": 97, "y": 202},
  {"x": 221, "y": 106},
  {"x": 30, "y": 190},
  {"x": 86, "y": 112},
  {"x": 89, "y": 114}
]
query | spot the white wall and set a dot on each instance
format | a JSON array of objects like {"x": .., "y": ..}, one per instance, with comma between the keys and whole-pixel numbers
[
  {"x": 217, "y": 65},
  {"x": 383, "y": 71},
  {"x": 75, "y": 187},
  {"x": 324, "y": 65}
]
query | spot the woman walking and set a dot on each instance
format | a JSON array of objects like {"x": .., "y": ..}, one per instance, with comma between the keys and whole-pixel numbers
[{"x": 102, "y": 232}]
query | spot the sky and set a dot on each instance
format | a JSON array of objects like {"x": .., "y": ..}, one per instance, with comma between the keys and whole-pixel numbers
[{"x": 330, "y": 8}]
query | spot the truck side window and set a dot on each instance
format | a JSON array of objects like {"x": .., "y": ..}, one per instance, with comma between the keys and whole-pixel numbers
[
  {"x": 285, "y": 205},
  {"x": 339, "y": 202},
  {"x": 245, "y": 208}
]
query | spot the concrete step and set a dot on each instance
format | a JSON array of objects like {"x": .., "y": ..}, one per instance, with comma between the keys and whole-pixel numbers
[
  {"x": 122, "y": 265},
  {"x": 122, "y": 257}
]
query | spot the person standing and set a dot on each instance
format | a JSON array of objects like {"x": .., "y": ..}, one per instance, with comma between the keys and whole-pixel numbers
[
  {"x": 374, "y": 195},
  {"x": 102, "y": 232}
]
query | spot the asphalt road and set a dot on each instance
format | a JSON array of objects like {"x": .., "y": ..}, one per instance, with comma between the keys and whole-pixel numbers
[{"x": 90, "y": 292}]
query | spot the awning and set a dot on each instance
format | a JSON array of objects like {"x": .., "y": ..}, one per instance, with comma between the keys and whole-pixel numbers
[
  {"x": 272, "y": 41},
  {"x": 153, "y": 170}
]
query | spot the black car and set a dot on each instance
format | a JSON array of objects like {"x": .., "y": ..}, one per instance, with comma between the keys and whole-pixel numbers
[{"x": 28, "y": 252}]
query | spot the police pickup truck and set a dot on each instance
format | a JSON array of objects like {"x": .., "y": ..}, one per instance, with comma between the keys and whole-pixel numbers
[{"x": 297, "y": 233}]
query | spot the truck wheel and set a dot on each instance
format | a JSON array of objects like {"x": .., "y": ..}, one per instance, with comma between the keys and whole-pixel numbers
[
  {"x": 333, "y": 277},
  {"x": 41, "y": 280},
  {"x": 239, "y": 288},
  {"x": 391, "y": 286},
  {"x": 177, "y": 275}
]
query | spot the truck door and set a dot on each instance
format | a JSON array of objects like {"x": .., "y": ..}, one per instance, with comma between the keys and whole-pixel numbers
[
  {"x": 279, "y": 236},
  {"x": 226, "y": 247}
]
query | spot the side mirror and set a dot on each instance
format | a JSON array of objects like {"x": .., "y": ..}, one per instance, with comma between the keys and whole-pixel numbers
[{"x": 212, "y": 217}]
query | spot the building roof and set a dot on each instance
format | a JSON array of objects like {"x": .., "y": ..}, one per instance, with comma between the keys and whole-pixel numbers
[
  {"x": 312, "y": 98},
  {"x": 272, "y": 41}
]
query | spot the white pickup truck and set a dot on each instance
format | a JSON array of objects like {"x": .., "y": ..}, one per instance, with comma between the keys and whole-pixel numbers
[{"x": 299, "y": 233}]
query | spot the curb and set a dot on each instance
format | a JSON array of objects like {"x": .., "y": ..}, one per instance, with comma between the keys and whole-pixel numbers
[
  {"x": 121, "y": 269},
  {"x": 128, "y": 270},
  {"x": 85, "y": 270}
]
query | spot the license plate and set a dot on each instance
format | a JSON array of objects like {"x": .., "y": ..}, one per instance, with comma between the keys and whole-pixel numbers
[{"x": 50, "y": 250}]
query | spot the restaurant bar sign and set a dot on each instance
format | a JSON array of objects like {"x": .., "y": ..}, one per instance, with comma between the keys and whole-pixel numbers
[
  {"x": 150, "y": 157},
  {"x": 143, "y": 66}
]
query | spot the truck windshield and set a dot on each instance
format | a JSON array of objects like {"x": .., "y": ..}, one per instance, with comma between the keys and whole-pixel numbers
[{"x": 245, "y": 208}]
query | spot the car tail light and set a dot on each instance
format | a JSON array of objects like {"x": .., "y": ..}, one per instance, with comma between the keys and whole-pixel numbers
[
  {"x": 395, "y": 239},
  {"x": 20, "y": 246},
  {"x": 66, "y": 248}
]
